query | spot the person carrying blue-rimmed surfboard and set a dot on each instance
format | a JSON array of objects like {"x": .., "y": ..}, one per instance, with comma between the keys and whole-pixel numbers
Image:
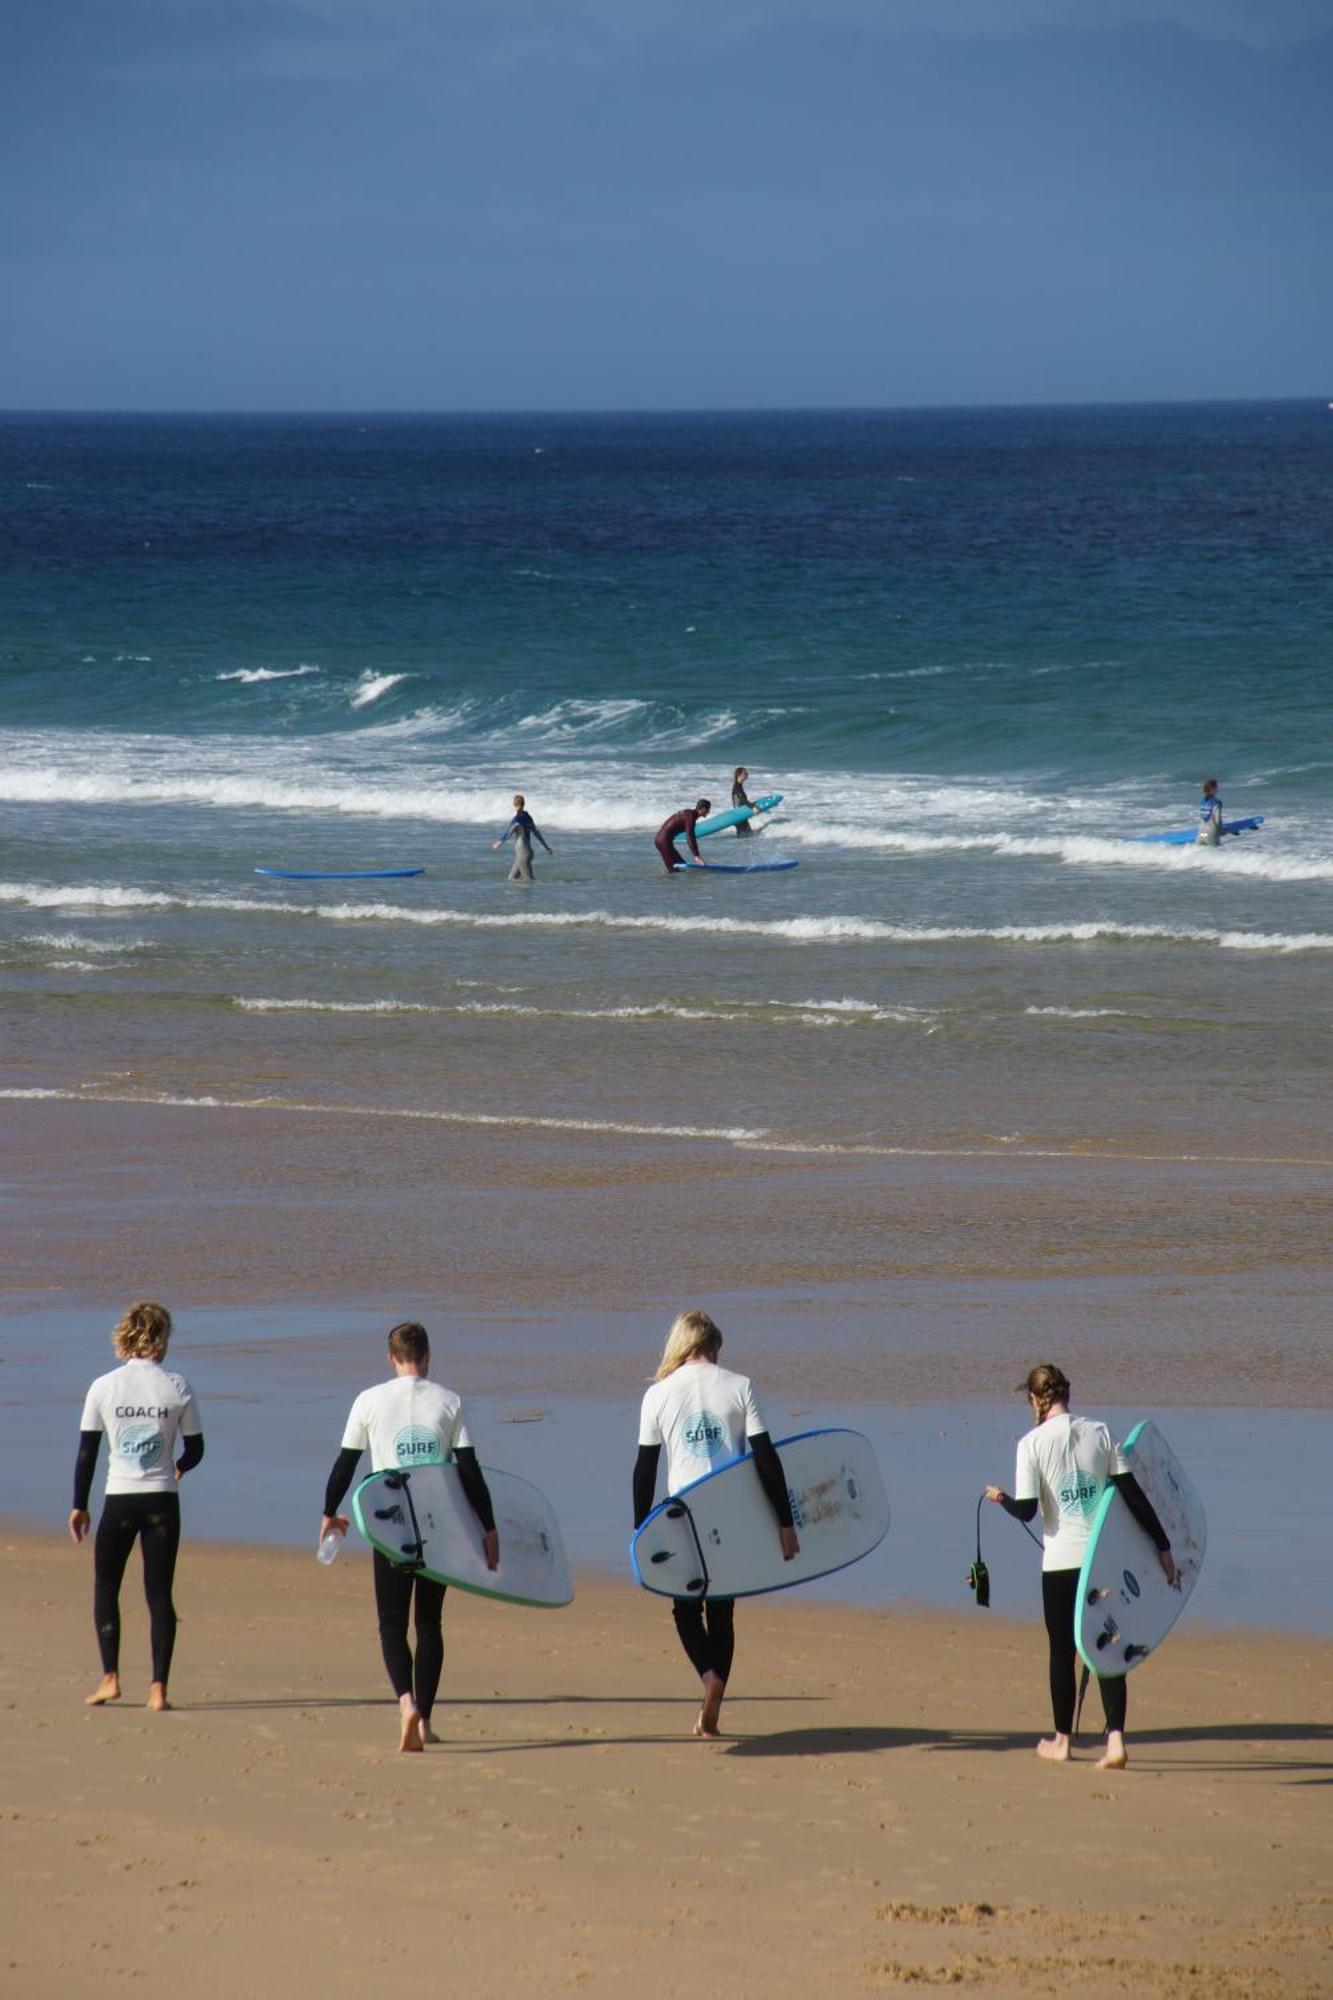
[
  {"x": 705, "y": 1415},
  {"x": 1210, "y": 815},
  {"x": 1065, "y": 1463}
]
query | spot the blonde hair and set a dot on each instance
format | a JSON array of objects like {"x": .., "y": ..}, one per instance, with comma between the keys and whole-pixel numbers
[
  {"x": 692, "y": 1334},
  {"x": 143, "y": 1332}
]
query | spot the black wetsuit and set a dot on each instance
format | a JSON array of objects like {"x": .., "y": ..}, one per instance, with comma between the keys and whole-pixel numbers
[
  {"x": 739, "y": 797},
  {"x": 706, "y": 1625},
  {"x": 1059, "y": 1599},
  {"x": 154, "y": 1521}
]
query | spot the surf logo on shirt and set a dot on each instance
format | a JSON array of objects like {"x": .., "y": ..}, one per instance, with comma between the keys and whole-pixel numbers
[
  {"x": 1080, "y": 1498},
  {"x": 141, "y": 1445},
  {"x": 415, "y": 1444},
  {"x": 704, "y": 1435}
]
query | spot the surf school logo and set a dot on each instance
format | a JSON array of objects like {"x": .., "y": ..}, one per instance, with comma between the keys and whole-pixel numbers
[
  {"x": 141, "y": 1445},
  {"x": 415, "y": 1445},
  {"x": 705, "y": 1435},
  {"x": 1080, "y": 1498}
]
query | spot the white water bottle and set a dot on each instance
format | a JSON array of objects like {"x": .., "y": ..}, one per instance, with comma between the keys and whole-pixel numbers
[{"x": 327, "y": 1551}]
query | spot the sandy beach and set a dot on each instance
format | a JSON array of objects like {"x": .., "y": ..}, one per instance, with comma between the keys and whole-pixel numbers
[{"x": 875, "y": 1818}]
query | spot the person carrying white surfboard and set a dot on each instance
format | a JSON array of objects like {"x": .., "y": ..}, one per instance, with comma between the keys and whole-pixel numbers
[
  {"x": 705, "y": 1415},
  {"x": 1065, "y": 1464},
  {"x": 405, "y": 1422}
]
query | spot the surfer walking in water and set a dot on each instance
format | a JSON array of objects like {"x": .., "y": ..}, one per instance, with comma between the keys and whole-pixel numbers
[
  {"x": 682, "y": 822},
  {"x": 705, "y": 1415},
  {"x": 740, "y": 797},
  {"x": 523, "y": 830},
  {"x": 403, "y": 1422},
  {"x": 1065, "y": 1463},
  {"x": 141, "y": 1408}
]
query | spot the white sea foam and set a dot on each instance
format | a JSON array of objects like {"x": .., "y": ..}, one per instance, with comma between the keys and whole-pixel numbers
[
  {"x": 788, "y": 1013},
  {"x": 794, "y": 930},
  {"x": 252, "y": 676},
  {"x": 745, "y": 1140},
  {"x": 371, "y": 686},
  {"x": 1082, "y": 1013},
  {"x": 71, "y": 941}
]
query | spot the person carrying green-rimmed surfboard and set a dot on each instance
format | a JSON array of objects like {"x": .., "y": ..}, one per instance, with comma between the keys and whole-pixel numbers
[{"x": 1065, "y": 1463}]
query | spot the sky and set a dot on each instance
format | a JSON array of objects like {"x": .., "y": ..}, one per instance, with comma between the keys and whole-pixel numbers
[{"x": 662, "y": 204}]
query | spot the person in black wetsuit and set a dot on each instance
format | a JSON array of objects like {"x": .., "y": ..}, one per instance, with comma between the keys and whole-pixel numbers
[
  {"x": 1065, "y": 1464},
  {"x": 404, "y": 1422},
  {"x": 682, "y": 822},
  {"x": 705, "y": 1415},
  {"x": 141, "y": 1408},
  {"x": 740, "y": 797}
]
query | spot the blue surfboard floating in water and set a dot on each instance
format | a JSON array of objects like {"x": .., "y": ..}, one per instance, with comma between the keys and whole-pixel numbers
[
  {"x": 1188, "y": 836},
  {"x": 684, "y": 867},
  {"x": 337, "y": 874}
]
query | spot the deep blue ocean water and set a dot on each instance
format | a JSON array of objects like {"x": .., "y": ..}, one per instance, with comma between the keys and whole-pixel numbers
[{"x": 978, "y": 651}]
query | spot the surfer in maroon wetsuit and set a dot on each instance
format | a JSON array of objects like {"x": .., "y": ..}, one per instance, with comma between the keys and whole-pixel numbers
[{"x": 664, "y": 840}]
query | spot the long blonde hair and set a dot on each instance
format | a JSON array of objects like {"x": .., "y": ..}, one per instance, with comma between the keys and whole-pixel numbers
[
  {"x": 692, "y": 1334},
  {"x": 143, "y": 1332}
]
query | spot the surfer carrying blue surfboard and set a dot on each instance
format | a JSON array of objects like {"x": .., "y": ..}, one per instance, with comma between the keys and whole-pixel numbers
[
  {"x": 1065, "y": 1464},
  {"x": 670, "y": 831},
  {"x": 405, "y": 1422},
  {"x": 740, "y": 797},
  {"x": 1210, "y": 815},
  {"x": 705, "y": 1415}
]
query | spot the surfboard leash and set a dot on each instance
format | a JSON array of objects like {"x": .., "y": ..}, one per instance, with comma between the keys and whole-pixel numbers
[{"x": 978, "y": 1577}]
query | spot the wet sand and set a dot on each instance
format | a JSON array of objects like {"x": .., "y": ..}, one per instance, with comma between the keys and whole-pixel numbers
[
  {"x": 913, "y": 1278},
  {"x": 874, "y": 1820}
]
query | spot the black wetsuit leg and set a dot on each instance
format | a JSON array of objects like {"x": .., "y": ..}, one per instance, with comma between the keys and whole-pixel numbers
[
  {"x": 706, "y": 1628},
  {"x": 668, "y": 853},
  {"x": 1059, "y": 1589},
  {"x": 393, "y": 1600},
  {"x": 428, "y": 1618},
  {"x": 155, "y": 1520}
]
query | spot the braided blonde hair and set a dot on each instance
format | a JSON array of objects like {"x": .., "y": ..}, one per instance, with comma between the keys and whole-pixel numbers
[{"x": 1047, "y": 1384}]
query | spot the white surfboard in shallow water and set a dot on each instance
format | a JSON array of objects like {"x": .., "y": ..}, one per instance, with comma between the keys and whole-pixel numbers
[
  {"x": 423, "y": 1520},
  {"x": 1125, "y": 1606},
  {"x": 718, "y": 1536}
]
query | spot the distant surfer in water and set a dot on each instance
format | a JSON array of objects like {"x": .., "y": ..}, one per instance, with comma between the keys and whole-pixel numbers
[
  {"x": 739, "y": 797},
  {"x": 683, "y": 822},
  {"x": 705, "y": 1415},
  {"x": 1210, "y": 815},
  {"x": 523, "y": 829},
  {"x": 404, "y": 1422},
  {"x": 1065, "y": 1464},
  {"x": 141, "y": 1408}
]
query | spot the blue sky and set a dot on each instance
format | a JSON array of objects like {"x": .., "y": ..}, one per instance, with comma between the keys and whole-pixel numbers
[{"x": 406, "y": 204}]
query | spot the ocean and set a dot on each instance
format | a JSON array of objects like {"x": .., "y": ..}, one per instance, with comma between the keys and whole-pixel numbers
[{"x": 978, "y": 652}]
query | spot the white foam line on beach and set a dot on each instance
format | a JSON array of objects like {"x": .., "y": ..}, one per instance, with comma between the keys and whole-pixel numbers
[
  {"x": 833, "y": 1014},
  {"x": 760, "y": 1141}
]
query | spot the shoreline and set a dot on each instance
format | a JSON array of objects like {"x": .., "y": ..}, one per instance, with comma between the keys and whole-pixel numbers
[{"x": 877, "y": 1804}]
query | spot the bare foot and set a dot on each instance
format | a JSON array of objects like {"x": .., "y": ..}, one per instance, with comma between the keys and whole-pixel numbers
[
  {"x": 410, "y": 1736},
  {"x": 427, "y": 1733},
  {"x": 1054, "y": 1748},
  {"x": 157, "y": 1698},
  {"x": 1116, "y": 1756},
  {"x": 710, "y": 1713},
  {"x": 107, "y": 1689}
]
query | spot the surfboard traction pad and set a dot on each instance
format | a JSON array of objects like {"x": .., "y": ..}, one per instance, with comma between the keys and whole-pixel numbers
[
  {"x": 1180, "y": 1511},
  {"x": 819, "y": 1500},
  {"x": 410, "y": 1545}
]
